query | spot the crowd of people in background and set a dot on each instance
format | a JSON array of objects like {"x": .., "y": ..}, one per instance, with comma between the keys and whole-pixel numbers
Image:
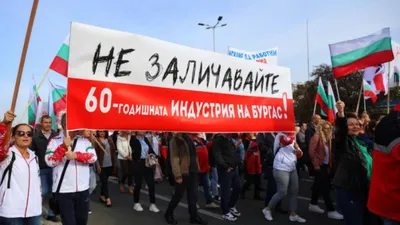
[{"x": 357, "y": 158}]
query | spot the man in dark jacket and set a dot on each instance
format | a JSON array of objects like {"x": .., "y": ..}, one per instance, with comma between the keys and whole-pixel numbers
[
  {"x": 227, "y": 159},
  {"x": 39, "y": 146}
]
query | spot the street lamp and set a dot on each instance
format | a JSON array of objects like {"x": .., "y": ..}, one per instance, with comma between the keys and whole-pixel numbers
[{"x": 217, "y": 25}]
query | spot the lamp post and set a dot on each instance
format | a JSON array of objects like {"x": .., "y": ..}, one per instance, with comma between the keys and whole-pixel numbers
[{"x": 217, "y": 25}]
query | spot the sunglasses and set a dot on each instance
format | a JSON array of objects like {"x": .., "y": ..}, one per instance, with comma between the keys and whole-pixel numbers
[{"x": 24, "y": 133}]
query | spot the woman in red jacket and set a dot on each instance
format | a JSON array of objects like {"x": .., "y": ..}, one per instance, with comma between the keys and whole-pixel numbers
[{"x": 253, "y": 167}]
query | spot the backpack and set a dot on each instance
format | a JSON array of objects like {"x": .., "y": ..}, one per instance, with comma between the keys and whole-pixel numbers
[{"x": 9, "y": 171}]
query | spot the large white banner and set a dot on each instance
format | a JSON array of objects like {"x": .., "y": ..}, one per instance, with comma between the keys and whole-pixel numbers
[
  {"x": 124, "y": 81},
  {"x": 269, "y": 56}
]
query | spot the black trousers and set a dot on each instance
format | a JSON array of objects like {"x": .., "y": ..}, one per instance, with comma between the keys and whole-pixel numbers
[
  {"x": 74, "y": 207},
  {"x": 322, "y": 187},
  {"x": 106, "y": 172},
  {"x": 189, "y": 184},
  {"x": 140, "y": 172},
  {"x": 252, "y": 179},
  {"x": 126, "y": 172}
]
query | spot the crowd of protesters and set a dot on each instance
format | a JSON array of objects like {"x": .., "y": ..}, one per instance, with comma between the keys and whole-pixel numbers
[{"x": 356, "y": 159}]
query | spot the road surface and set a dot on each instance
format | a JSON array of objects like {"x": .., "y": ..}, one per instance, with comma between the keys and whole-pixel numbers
[{"x": 122, "y": 211}]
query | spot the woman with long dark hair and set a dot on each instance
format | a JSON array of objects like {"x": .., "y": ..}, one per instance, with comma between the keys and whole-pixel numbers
[
  {"x": 107, "y": 161},
  {"x": 141, "y": 150},
  {"x": 353, "y": 172},
  {"x": 20, "y": 192}
]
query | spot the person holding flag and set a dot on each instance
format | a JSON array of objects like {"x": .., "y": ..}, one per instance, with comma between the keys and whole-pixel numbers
[{"x": 20, "y": 191}]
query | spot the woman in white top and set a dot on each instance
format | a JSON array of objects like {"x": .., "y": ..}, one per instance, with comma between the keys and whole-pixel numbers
[
  {"x": 286, "y": 152},
  {"x": 125, "y": 159},
  {"x": 20, "y": 193}
]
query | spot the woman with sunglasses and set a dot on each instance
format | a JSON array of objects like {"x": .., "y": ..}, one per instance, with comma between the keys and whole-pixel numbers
[{"x": 20, "y": 194}]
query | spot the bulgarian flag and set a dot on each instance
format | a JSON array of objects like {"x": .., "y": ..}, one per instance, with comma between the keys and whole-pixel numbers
[
  {"x": 57, "y": 103},
  {"x": 321, "y": 98},
  {"x": 60, "y": 62},
  {"x": 368, "y": 92},
  {"x": 350, "y": 56},
  {"x": 33, "y": 107},
  {"x": 331, "y": 104}
]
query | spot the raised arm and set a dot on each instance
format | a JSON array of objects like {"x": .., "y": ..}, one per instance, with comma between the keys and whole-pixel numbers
[{"x": 5, "y": 154}]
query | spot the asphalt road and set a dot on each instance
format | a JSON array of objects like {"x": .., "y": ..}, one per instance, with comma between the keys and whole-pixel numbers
[{"x": 122, "y": 211}]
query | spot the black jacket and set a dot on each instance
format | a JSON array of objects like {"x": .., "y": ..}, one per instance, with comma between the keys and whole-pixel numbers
[
  {"x": 351, "y": 173},
  {"x": 265, "y": 142},
  {"x": 225, "y": 154},
  {"x": 137, "y": 147},
  {"x": 39, "y": 146}
]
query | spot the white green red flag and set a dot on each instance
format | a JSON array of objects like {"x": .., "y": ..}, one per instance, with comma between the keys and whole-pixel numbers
[
  {"x": 60, "y": 62},
  {"x": 33, "y": 107},
  {"x": 375, "y": 75},
  {"x": 368, "y": 92},
  {"x": 57, "y": 103},
  {"x": 352, "y": 55},
  {"x": 332, "y": 110},
  {"x": 321, "y": 98}
]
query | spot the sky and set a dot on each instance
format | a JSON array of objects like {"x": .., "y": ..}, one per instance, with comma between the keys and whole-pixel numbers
[{"x": 252, "y": 26}]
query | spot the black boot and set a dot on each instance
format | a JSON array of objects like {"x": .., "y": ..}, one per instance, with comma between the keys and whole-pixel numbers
[
  {"x": 169, "y": 218},
  {"x": 198, "y": 220}
]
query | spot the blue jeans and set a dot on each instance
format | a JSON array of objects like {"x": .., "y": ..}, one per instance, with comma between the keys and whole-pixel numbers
[
  {"x": 214, "y": 182},
  {"x": 35, "y": 220},
  {"x": 352, "y": 205},
  {"x": 204, "y": 179},
  {"x": 387, "y": 221},
  {"x": 46, "y": 178},
  {"x": 230, "y": 189}
]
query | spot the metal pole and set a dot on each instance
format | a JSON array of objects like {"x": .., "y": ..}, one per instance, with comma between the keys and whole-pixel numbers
[
  {"x": 213, "y": 39},
  {"x": 308, "y": 52}
]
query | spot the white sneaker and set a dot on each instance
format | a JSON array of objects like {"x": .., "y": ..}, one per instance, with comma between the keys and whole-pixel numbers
[
  {"x": 229, "y": 217},
  {"x": 235, "y": 212},
  {"x": 197, "y": 206},
  {"x": 137, "y": 207},
  {"x": 153, "y": 208},
  {"x": 267, "y": 214},
  {"x": 296, "y": 218},
  {"x": 212, "y": 205},
  {"x": 315, "y": 208},
  {"x": 335, "y": 215}
]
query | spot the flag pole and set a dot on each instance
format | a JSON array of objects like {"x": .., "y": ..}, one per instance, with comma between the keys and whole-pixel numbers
[
  {"x": 315, "y": 106},
  {"x": 308, "y": 55},
  {"x": 22, "y": 60},
  {"x": 365, "y": 104},
  {"x": 388, "y": 95},
  {"x": 359, "y": 97},
  {"x": 337, "y": 89},
  {"x": 33, "y": 96}
]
